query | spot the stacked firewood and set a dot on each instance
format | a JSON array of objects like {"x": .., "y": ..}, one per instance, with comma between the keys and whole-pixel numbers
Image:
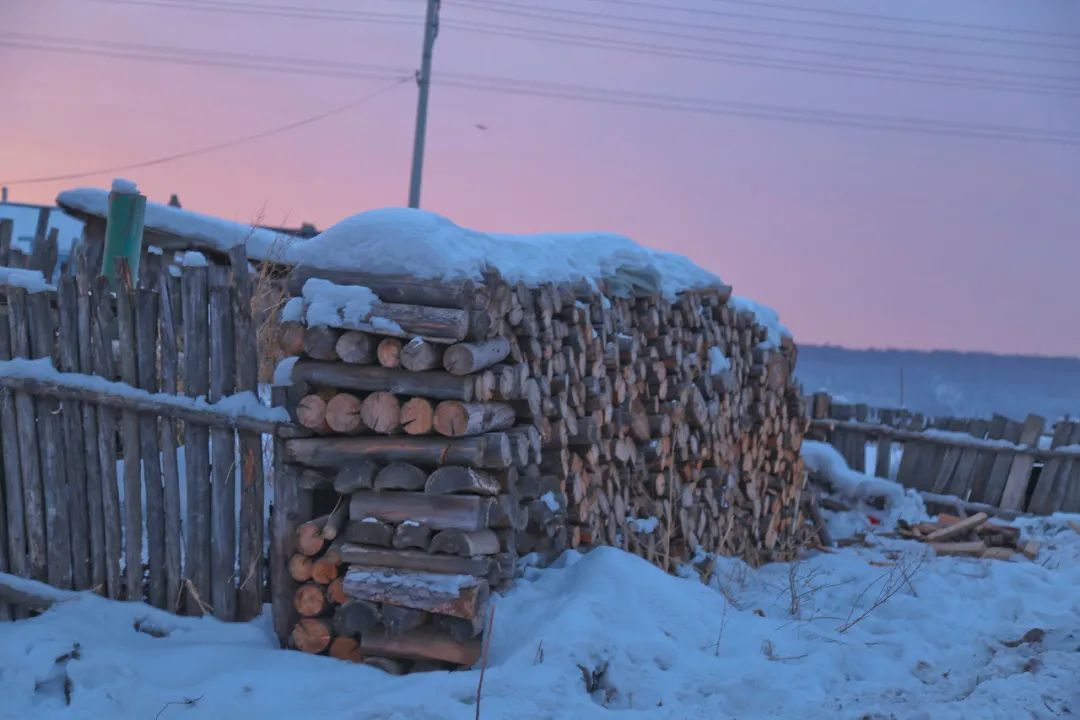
[{"x": 459, "y": 425}]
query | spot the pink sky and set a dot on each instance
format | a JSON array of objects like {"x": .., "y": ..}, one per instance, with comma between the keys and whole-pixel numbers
[{"x": 858, "y": 237}]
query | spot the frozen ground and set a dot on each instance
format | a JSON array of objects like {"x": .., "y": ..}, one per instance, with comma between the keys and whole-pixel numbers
[{"x": 882, "y": 631}]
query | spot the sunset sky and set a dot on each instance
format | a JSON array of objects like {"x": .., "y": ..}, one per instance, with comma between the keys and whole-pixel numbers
[{"x": 858, "y": 236}]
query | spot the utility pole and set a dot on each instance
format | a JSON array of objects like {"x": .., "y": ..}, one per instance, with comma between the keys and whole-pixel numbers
[{"x": 423, "y": 80}]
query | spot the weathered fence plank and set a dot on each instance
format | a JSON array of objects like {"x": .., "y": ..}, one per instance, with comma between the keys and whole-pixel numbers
[
  {"x": 43, "y": 252},
  {"x": 1015, "y": 495},
  {"x": 104, "y": 329},
  {"x": 51, "y": 446},
  {"x": 249, "y": 593},
  {"x": 167, "y": 440},
  {"x": 1050, "y": 488},
  {"x": 15, "y": 526},
  {"x": 91, "y": 460},
  {"x": 1070, "y": 478},
  {"x": 74, "y": 446},
  {"x": 6, "y": 610},
  {"x": 146, "y": 340},
  {"x": 223, "y": 449},
  {"x": 981, "y": 475},
  {"x": 196, "y": 439},
  {"x": 29, "y": 459},
  {"x": 129, "y": 422}
]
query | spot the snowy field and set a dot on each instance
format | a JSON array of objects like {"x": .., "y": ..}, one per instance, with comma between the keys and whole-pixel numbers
[{"x": 881, "y": 630}]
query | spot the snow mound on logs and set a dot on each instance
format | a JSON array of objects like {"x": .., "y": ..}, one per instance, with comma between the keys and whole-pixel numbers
[{"x": 423, "y": 244}]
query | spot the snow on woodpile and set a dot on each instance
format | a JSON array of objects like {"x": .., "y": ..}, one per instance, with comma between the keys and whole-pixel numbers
[
  {"x": 423, "y": 244},
  {"x": 210, "y": 232}
]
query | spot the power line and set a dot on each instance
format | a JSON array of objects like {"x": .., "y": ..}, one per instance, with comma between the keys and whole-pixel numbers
[
  {"x": 653, "y": 100},
  {"x": 286, "y": 11},
  {"x": 762, "y": 107},
  {"x": 239, "y": 60},
  {"x": 504, "y": 6},
  {"x": 336, "y": 69},
  {"x": 254, "y": 64},
  {"x": 819, "y": 68},
  {"x": 841, "y": 13},
  {"x": 317, "y": 14},
  {"x": 491, "y": 28},
  {"x": 876, "y": 45},
  {"x": 217, "y": 146},
  {"x": 778, "y": 115},
  {"x": 61, "y": 43},
  {"x": 326, "y": 68}
]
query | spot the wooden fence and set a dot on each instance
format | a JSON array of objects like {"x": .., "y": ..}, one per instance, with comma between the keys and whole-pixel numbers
[
  {"x": 998, "y": 462},
  {"x": 98, "y": 448}
]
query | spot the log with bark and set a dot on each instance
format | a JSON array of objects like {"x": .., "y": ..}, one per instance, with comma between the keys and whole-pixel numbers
[{"x": 455, "y": 595}]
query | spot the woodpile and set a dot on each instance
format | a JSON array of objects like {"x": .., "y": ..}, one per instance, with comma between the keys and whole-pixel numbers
[
  {"x": 972, "y": 536},
  {"x": 457, "y": 426}
]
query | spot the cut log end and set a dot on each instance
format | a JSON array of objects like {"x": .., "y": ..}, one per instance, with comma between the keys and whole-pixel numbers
[{"x": 311, "y": 635}]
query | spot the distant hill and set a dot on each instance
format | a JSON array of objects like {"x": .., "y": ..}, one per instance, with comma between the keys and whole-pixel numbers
[{"x": 945, "y": 383}]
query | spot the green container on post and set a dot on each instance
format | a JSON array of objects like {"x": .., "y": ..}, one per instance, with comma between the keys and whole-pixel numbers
[{"x": 123, "y": 229}]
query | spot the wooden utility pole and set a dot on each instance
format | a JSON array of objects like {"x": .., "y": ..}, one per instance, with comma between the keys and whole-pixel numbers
[{"x": 423, "y": 80}]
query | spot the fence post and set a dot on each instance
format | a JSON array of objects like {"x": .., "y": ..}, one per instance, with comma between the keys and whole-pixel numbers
[{"x": 123, "y": 229}]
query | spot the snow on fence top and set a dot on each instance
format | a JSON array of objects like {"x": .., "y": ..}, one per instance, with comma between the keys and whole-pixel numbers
[
  {"x": 422, "y": 244},
  {"x": 30, "y": 280},
  {"x": 210, "y": 233}
]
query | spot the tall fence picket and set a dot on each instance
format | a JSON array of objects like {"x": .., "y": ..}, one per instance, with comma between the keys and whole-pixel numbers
[
  {"x": 168, "y": 433},
  {"x": 249, "y": 592},
  {"x": 72, "y": 419},
  {"x": 196, "y": 439},
  {"x": 104, "y": 333},
  {"x": 13, "y": 491},
  {"x": 129, "y": 423},
  {"x": 29, "y": 460},
  {"x": 146, "y": 342},
  {"x": 91, "y": 460},
  {"x": 223, "y": 448}
]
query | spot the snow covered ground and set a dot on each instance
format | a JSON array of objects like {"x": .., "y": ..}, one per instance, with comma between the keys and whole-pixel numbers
[{"x": 881, "y": 631}]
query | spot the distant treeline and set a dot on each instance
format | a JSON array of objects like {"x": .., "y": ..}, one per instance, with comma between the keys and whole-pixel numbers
[{"x": 966, "y": 384}]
